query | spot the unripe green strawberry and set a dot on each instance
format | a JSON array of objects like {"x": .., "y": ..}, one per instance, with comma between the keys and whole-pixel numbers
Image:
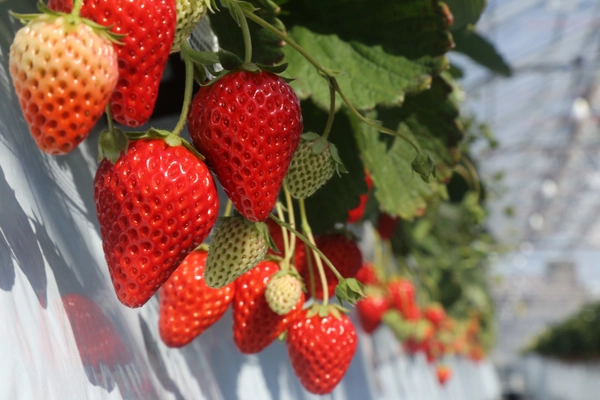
[
  {"x": 283, "y": 292},
  {"x": 64, "y": 72},
  {"x": 237, "y": 245},
  {"x": 189, "y": 13},
  {"x": 313, "y": 165}
]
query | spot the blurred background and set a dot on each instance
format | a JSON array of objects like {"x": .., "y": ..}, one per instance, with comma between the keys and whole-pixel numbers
[{"x": 541, "y": 102}]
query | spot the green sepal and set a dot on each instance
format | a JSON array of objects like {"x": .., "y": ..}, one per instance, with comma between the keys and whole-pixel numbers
[
  {"x": 263, "y": 229},
  {"x": 111, "y": 143},
  {"x": 340, "y": 168},
  {"x": 200, "y": 57},
  {"x": 349, "y": 290},
  {"x": 308, "y": 136},
  {"x": 424, "y": 166},
  {"x": 319, "y": 145},
  {"x": 229, "y": 61},
  {"x": 274, "y": 69}
]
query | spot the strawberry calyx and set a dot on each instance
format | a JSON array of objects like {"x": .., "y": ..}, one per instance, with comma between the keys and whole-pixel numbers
[
  {"x": 349, "y": 290},
  {"x": 324, "y": 310},
  {"x": 320, "y": 144},
  {"x": 113, "y": 141},
  {"x": 72, "y": 19}
]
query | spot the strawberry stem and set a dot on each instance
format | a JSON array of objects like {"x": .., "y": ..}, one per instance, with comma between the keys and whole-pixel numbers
[
  {"x": 307, "y": 230},
  {"x": 331, "y": 110},
  {"x": 327, "y": 74},
  {"x": 474, "y": 176},
  {"x": 77, "y": 7},
  {"x": 292, "y": 219},
  {"x": 189, "y": 86},
  {"x": 309, "y": 244},
  {"x": 285, "y": 264},
  {"x": 247, "y": 37},
  {"x": 111, "y": 123}
]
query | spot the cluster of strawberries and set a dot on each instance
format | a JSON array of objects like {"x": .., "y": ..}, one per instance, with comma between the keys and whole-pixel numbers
[
  {"x": 156, "y": 199},
  {"x": 393, "y": 301}
]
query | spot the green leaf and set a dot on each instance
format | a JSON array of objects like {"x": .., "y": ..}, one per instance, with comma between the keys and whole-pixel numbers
[
  {"x": 331, "y": 203},
  {"x": 465, "y": 12},
  {"x": 371, "y": 76},
  {"x": 266, "y": 47},
  {"x": 480, "y": 50},
  {"x": 398, "y": 190},
  {"x": 410, "y": 28}
]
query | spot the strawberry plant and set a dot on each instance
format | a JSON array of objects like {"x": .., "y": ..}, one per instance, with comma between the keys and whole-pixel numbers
[{"x": 315, "y": 121}]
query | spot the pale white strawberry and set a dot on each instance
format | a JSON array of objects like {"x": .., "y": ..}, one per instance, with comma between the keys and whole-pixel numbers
[
  {"x": 237, "y": 245},
  {"x": 189, "y": 13},
  {"x": 283, "y": 292}
]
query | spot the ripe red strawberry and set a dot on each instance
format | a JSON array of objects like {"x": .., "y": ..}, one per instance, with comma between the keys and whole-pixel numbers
[
  {"x": 255, "y": 325},
  {"x": 187, "y": 305},
  {"x": 367, "y": 275},
  {"x": 149, "y": 26},
  {"x": 63, "y": 75},
  {"x": 343, "y": 253},
  {"x": 402, "y": 294},
  {"x": 435, "y": 314},
  {"x": 371, "y": 309},
  {"x": 386, "y": 226},
  {"x": 277, "y": 236},
  {"x": 98, "y": 341},
  {"x": 444, "y": 373},
  {"x": 357, "y": 213},
  {"x": 248, "y": 126},
  {"x": 321, "y": 349},
  {"x": 155, "y": 205}
]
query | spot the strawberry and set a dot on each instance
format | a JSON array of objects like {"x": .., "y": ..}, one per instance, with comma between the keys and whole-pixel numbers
[
  {"x": 386, "y": 226},
  {"x": 98, "y": 340},
  {"x": 277, "y": 236},
  {"x": 357, "y": 212},
  {"x": 248, "y": 126},
  {"x": 187, "y": 305},
  {"x": 402, "y": 294},
  {"x": 237, "y": 245},
  {"x": 344, "y": 254},
  {"x": 155, "y": 205},
  {"x": 371, "y": 309},
  {"x": 64, "y": 72},
  {"x": 189, "y": 13},
  {"x": 149, "y": 26},
  {"x": 321, "y": 349},
  {"x": 283, "y": 292},
  {"x": 435, "y": 314},
  {"x": 443, "y": 373},
  {"x": 255, "y": 325},
  {"x": 313, "y": 165},
  {"x": 367, "y": 275}
]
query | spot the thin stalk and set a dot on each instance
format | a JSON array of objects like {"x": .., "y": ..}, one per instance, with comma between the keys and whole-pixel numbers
[
  {"x": 285, "y": 265},
  {"x": 77, "y": 7},
  {"x": 331, "y": 110},
  {"x": 111, "y": 123},
  {"x": 307, "y": 230},
  {"x": 311, "y": 274},
  {"x": 309, "y": 244},
  {"x": 247, "y": 37},
  {"x": 292, "y": 219},
  {"x": 189, "y": 86}
]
